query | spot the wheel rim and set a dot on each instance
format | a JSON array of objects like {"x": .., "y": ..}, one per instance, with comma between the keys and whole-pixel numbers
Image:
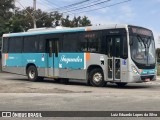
[
  {"x": 97, "y": 77},
  {"x": 32, "y": 74}
]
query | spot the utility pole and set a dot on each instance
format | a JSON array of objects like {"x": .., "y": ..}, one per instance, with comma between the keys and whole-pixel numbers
[{"x": 34, "y": 13}]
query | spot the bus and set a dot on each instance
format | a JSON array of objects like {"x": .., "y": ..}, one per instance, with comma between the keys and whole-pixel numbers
[{"x": 117, "y": 53}]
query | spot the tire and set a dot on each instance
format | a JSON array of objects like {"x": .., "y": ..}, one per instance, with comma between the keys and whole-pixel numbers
[
  {"x": 96, "y": 78},
  {"x": 32, "y": 74},
  {"x": 121, "y": 84}
]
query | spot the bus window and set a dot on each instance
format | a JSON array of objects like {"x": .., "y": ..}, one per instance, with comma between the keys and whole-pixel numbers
[
  {"x": 90, "y": 42},
  {"x": 110, "y": 47},
  {"x": 124, "y": 48},
  {"x": 5, "y": 45},
  {"x": 117, "y": 46},
  {"x": 30, "y": 44},
  {"x": 53, "y": 45},
  {"x": 15, "y": 45},
  {"x": 70, "y": 42}
]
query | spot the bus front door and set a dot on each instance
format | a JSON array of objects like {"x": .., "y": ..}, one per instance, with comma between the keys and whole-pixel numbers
[
  {"x": 114, "y": 60},
  {"x": 52, "y": 46}
]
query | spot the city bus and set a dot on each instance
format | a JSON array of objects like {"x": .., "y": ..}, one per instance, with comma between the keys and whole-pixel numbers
[{"x": 117, "y": 53}]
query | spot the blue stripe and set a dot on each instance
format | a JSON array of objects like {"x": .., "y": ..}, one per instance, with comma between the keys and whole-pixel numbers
[{"x": 43, "y": 32}]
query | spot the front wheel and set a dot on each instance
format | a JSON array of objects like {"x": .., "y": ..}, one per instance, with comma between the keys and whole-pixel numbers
[
  {"x": 96, "y": 78},
  {"x": 33, "y": 74}
]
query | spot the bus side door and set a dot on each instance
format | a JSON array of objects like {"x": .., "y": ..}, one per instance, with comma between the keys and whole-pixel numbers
[
  {"x": 53, "y": 49},
  {"x": 114, "y": 61}
]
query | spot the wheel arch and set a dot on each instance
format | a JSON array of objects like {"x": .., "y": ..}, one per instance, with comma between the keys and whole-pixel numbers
[
  {"x": 28, "y": 65},
  {"x": 91, "y": 67}
]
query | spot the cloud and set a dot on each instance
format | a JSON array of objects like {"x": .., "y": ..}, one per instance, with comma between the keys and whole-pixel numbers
[{"x": 127, "y": 11}]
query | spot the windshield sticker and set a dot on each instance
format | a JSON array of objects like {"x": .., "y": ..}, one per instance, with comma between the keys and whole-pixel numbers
[{"x": 142, "y": 31}]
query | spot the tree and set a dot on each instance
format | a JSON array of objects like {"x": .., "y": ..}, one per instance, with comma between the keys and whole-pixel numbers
[
  {"x": 5, "y": 15},
  {"x": 22, "y": 20},
  {"x": 85, "y": 21},
  {"x": 76, "y": 22},
  {"x": 66, "y": 22}
]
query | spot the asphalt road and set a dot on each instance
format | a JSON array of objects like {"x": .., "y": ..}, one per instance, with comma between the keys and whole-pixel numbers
[{"x": 19, "y": 94}]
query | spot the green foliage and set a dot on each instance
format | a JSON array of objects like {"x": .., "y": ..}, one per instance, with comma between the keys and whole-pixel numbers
[
  {"x": 21, "y": 20},
  {"x": 5, "y": 15},
  {"x": 76, "y": 22}
]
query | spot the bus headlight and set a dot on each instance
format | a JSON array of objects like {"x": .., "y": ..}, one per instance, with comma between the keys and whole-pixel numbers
[{"x": 134, "y": 70}]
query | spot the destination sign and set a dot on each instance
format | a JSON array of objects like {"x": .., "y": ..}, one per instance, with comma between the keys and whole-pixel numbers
[{"x": 141, "y": 31}]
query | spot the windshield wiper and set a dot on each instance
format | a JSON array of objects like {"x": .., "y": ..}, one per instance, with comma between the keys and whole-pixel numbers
[
  {"x": 148, "y": 42},
  {"x": 141, "y": 40},
  {"x": 145, "y": 45}
]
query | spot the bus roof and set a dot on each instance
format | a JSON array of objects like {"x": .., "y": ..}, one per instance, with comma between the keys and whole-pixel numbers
[{"x": 41, "y": 31}]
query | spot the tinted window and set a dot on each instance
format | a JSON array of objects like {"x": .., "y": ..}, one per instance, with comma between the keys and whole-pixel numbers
[
  {"x": 15, "y": 45},
  {"x": 42, "y": 44},
  {"x": 70, "y": 43},
  {"x": 5, "y": 45},
  {"x": 91, "y": 42},
  {"x": 31, "y": 44}
]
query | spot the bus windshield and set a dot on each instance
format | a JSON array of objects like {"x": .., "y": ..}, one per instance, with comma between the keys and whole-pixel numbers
[{"x": 143, "y": 50}]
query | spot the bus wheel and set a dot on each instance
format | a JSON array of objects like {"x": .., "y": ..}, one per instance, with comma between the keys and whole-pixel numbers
[
  {"x": 33, "y": 74},
  {"x": 96, "y": 78},
  {"x": 121, "y": 84}
]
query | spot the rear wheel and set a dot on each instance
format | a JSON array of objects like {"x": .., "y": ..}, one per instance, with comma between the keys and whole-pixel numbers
[
  {"x": 32, "y": 74},
  {"x": 96, "y": 78},
  {"x": 121, "y": 84}
]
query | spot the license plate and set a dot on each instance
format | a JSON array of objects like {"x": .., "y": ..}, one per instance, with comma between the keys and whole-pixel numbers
[{"x": 147, "y": 80}]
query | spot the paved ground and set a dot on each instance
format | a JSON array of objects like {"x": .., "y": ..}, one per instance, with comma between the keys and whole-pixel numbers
[{"x": 19, "y": 94}]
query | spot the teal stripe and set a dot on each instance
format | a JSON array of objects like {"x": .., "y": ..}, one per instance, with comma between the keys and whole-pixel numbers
[
  {"x": 43, "y": 32},
  {"x": 147, "y": 72}
]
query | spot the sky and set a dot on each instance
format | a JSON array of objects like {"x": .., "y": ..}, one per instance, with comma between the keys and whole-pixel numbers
[{"x": 144, "y": 13}]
